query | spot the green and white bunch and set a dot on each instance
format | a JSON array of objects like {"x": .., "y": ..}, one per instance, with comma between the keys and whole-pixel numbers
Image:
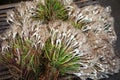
[
  {"x": 61, "y": 50},
  {"x": 66, "y": 38},
  {"x": 21, "y": 57}
]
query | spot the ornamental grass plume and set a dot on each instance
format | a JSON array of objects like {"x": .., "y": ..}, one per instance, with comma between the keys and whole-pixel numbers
[
  {"x": 50, "y": 10},
  {"x": 22, "y": 58},
  {"x": 78, "y": 41},
  {"x": 62, "y": 54},
  {"x": 26, "y": 56}
]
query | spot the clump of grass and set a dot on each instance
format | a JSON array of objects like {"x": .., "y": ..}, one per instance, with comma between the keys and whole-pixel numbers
[
  {"x": 22, "y": 59},
  {"x": 60, "y": 58},
  {"x": 50, "y": 11}
]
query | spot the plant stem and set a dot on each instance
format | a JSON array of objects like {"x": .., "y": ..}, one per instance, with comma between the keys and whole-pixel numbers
[{"x": 56, "y": 75}]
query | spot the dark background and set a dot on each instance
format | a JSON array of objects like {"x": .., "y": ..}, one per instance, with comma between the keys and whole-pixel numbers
[
  {"x": 115, "y": 5},
  {"x": 10, "y": 1}
]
